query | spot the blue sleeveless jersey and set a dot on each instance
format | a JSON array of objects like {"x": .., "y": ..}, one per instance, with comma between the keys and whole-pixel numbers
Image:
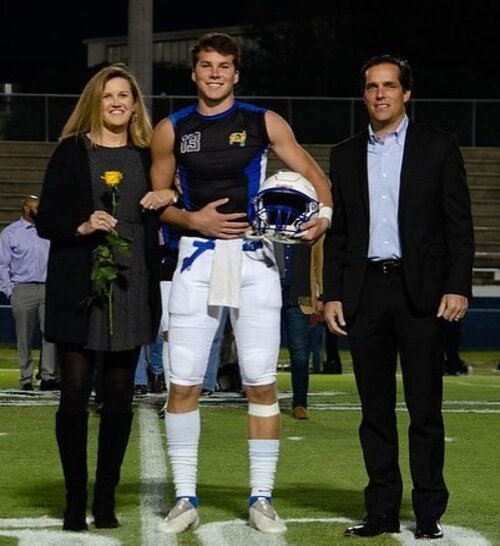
[{"x": 220, "y": 156}]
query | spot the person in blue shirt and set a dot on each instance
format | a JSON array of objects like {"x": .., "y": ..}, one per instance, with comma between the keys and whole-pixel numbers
[
  {"x": 302, "y": 286},
  {"x": 398, "y": 265},
  {"x": 23, "y": 271}
]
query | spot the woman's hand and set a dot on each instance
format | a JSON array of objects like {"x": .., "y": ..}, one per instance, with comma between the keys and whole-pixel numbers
[
  {"x": 154, "y": 200},
  {"x": 99, "y": 220}
]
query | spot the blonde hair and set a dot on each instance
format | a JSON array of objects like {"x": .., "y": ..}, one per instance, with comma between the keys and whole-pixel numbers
[{"x": 87, "y": 115}]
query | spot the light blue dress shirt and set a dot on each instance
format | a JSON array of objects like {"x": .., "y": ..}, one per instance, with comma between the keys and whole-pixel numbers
[
  {"x": 385, "y": 158},
  {"x": 23, "y": 255}
]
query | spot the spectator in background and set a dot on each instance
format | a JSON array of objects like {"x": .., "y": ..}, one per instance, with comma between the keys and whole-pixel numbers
[
  {"x": 302, "y": 288},
  {"x": 453, "y": 363},
  {"x": 316, "y": 335},
  {"x": 23, "y": 271},
  {"x": 333, "y": 363},
  {"x": 151, "y": 371},
  {"x": 149, "y": 374},
  {"x": 214, "y": 359}
]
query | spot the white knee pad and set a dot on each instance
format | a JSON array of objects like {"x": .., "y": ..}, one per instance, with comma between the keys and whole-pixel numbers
[{"x": 261, "y": 410}]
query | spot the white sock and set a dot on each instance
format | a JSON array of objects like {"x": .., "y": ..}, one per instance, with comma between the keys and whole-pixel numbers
[
  {"x": 183, "y": 436},
  {"x": 263, "y": 461}
]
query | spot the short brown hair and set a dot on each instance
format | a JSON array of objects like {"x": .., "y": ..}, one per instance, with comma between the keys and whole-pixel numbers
[
  {"x": 219, "y": 42},
  {"x": 405, "y": 71}
]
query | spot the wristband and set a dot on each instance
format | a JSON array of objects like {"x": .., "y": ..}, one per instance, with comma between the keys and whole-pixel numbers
[{"x": 326, "y": 212}]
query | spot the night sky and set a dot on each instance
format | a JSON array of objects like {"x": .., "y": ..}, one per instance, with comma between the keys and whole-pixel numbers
[
  {"x": 31, "y": 33},
  {"x": 457, "y": 45}
]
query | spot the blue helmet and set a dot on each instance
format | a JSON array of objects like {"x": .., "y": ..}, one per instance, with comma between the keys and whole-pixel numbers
[{"x": 283, "y": 203}]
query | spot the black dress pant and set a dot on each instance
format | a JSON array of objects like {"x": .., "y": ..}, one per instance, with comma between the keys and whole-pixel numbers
[{"x": 385, "y": 326}]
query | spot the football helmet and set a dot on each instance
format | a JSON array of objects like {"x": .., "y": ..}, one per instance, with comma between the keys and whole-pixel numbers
[{"x": 283, "y": 203}]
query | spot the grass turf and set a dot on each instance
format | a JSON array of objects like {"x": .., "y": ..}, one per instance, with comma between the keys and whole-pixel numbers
[{"x": 320, "y": 476}]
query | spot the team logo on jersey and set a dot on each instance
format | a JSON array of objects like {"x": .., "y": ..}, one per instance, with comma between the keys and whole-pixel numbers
[
  {"x": 191, "y": 142},
  {"x": 238, "y": 138}
]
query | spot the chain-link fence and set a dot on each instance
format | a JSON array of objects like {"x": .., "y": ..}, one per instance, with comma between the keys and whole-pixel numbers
[{"x": 315, "y": 120}]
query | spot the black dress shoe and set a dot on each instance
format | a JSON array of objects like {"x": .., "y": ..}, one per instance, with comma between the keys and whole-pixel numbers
[
  {"x": 50, "y": 385},
  {"x": 106, "y": 521},
  {"x": 332, "y": 367},
  {"x": 74, "y": 519},
  {"x": 371, "y": 527},
  {"x": 428, "y": 529}
]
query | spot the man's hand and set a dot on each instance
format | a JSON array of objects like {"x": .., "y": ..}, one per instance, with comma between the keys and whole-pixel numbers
[
  {"x": 334, "y": 317},
  {"x": 453, "y": 307},
  {"x": 312, "y": 230},
  {"x": 212, "y": 223}
]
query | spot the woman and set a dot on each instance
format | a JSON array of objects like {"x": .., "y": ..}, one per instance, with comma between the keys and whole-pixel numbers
[{"x": 107, "y": 132}]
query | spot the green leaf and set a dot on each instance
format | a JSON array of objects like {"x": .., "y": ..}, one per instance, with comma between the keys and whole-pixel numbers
[{"x": 104, "y": 267}]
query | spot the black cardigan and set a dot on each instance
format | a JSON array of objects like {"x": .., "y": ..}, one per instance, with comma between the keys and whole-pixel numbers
[{"x": 66, "y": 202}]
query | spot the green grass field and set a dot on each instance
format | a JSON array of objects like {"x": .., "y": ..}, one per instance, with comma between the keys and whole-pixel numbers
[{"x": 320, "y": 481}]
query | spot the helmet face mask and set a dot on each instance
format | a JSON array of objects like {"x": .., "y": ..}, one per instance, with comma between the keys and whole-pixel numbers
[{"x": 284, "y": 202}]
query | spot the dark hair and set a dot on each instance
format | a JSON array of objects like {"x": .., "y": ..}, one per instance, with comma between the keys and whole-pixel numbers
[
  {"x": 405, "y": 72},
  {"x": 219, "y": 42}
]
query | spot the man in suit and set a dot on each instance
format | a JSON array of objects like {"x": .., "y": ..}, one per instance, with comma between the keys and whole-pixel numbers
[{"x": 398, "y": 264}]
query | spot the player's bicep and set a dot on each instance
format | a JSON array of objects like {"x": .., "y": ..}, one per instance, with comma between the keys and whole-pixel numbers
[{"x": 162, "y": 153}]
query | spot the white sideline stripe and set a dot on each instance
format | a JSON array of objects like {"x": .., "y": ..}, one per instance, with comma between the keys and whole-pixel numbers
[
  {"x": 238, "y": 532},
  {"x": 471, "y": 402},
  {"x": 30, "y": 523},
  {"x": 320, "y": 520},
  {"x": 483, "y": 406},
  {"x": 453, "y": 536},
  {"x": 328, "y": 407},
  {"x": 229, "y": 533},
  {"x": 226, "y": 533},
  {"x": 57, "y": 538},
  {"x": 464, "y": 384},
  {"x": 153, "y": 480}
]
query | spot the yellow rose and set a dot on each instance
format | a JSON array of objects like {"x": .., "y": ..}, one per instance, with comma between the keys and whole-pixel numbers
[{"x": 112, "y": 178}]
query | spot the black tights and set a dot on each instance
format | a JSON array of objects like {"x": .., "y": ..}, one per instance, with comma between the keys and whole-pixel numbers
[{"x": 77, "y": 377}]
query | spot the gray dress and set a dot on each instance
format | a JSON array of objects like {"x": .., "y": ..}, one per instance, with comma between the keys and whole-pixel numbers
[{"x": 131, "y": 313}]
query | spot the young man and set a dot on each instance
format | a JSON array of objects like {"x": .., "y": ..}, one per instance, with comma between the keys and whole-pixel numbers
[
  {"x": 219, "y": 147},
  {"x": 398, "y": 261}
]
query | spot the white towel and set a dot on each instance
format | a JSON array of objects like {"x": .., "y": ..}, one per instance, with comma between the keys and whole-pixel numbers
[{"x": 225, "y": 282}]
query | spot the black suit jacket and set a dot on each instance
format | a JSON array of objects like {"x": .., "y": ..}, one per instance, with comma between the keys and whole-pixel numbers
[
  {"x": 435, "y": 221},
  {"x": 66, "y": 202}
]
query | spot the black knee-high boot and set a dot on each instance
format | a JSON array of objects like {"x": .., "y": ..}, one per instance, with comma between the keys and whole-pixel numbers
[
  {"x": 114, "y": 432},
  {"x": 71, "y": 434}
]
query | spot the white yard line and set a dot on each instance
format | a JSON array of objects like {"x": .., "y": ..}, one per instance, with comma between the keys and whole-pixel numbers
[
  {"x": 153, "y": 479},
  {"x": 33, "y": 531}
]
